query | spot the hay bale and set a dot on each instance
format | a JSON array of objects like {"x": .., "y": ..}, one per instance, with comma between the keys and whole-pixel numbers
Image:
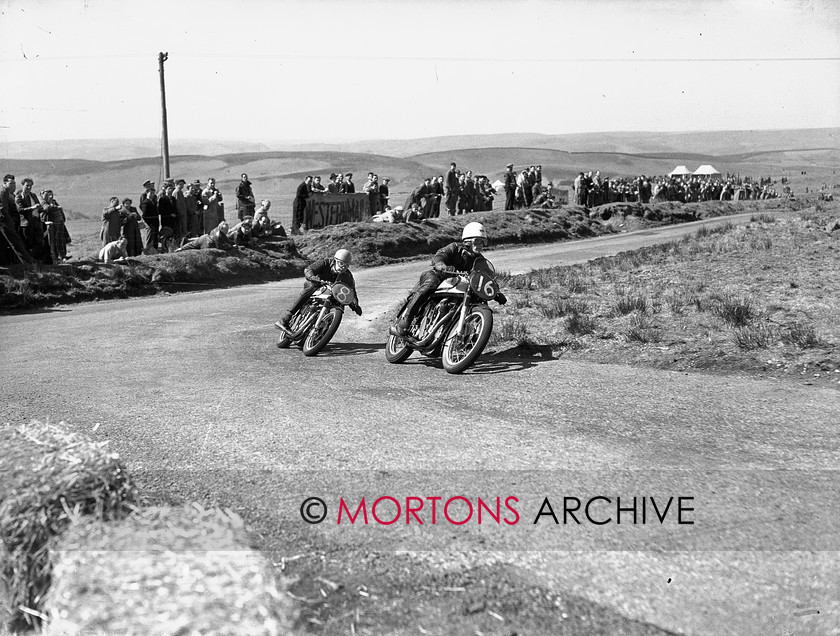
[
  {"x": 164, "y": 571},
  {"x": 49, "y": 475}
]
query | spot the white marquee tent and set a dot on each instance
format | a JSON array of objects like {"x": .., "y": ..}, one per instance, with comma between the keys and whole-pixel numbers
[
  {"x": 679, "y": 170},
  {"x": 706, "y": 169},
  {"x": 497, "y": 184}
]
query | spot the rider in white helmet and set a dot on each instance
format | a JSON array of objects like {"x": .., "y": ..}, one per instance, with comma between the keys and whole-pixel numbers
[
  {"x": 329, "y": 270},
  {"x": 458, "y": 256}
]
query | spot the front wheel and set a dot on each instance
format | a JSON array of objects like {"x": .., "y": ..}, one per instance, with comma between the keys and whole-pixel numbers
[
  {"x": 459, "y": 352},
  {"x": 322, "y": 332},
  {"x": 396, "y": 350}
]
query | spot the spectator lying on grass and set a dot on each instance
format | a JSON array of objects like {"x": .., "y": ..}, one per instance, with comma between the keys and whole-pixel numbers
[
  {"x": 217, "y": 238},
  {"x": 114, "y": 251}
]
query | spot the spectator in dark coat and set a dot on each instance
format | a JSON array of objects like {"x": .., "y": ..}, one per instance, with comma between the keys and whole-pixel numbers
[
  {"x": 245, "y": 201},
  {"x": 131, "y": 228},
  {"x": 299, "y": 204},
  {"x": 112, "y": 221}
]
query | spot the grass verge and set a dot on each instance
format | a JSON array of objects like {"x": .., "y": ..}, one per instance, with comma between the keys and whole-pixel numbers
[{"x": 759, "y": 298}]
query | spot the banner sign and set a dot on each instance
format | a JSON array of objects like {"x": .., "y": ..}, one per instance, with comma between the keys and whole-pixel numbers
[{"x": 331, "y": 209}]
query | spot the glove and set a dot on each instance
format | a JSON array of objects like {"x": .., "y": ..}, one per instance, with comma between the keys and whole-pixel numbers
[
  {"x": 318, "y": 281},
  {"x": 501, "y": 298},
  {"x": 357, "y": 309},
  {"x": 440, "y": 267}
]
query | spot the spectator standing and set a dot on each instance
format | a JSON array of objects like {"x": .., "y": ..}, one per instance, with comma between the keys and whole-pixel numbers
[
  {"x": 332, "y": 186},
  {"x": 349, "y": 186},
  {"x": 149, "y": 213},
  {"x": 180, "y": 210},
  {"x": 299, "y": 204},
  {"x": 211, "y": 199},
  {"x": 371, "y": 188},
  {"x": 317, "y": 186},
  {"x": 29, "y": 208},
  {"x": 168, "y": 211},
  {"x": 451, "y": 189},
  {"x": 245, "y": 202},
  {"x": 340, "y": 184},
  {"x": 131, "y": 228},
  {"x": 52, "y": 216},
  {"x": 437, "y": 193},
  {"x": 469, "y": 192},
  {"x": 13, "y": 249},
  {"x": 384, "y": 193},
  {"x": 195, "y": 217},
  {"x": 510, "y": 188},
  {"x": 112, "y": 221}
]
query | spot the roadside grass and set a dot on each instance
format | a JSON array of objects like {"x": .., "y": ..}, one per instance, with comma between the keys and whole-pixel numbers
[{"x": 757, "y": 298}]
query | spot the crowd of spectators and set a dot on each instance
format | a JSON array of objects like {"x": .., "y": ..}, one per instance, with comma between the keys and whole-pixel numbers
[
  {"x": 591, "y": 190},
  {"x": 183, "y": 216},
  {"x": 33, "y": 229}
]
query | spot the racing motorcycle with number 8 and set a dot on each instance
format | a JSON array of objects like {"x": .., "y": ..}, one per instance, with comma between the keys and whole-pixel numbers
[
  {"x": 314, "y": 324},
  {"x": 454, "y": 323}
]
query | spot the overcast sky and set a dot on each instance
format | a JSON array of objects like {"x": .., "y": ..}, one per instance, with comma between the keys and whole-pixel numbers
[{"x": 324, "y": 70}]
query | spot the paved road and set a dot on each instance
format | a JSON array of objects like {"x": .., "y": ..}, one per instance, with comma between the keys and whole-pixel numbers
[{"x": 193, "y": 394}]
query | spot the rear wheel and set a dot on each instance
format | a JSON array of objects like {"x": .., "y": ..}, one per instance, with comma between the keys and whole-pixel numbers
[
  {"x": 396, "y": 350},
  {"x": 459, "y": 352},
  {"x": 322, "y": 332},
  {"x": 295, "y": 323}
]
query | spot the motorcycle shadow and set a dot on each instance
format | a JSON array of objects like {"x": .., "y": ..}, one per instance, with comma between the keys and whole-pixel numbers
[
  {"x": 351, "y": 349},
  {"x": 518, "y": 358}
]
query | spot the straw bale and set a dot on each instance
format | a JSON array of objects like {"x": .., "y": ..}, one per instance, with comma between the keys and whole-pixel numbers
[
  {"x": 164, "y": 571},
  {"x": 49, "y": 475}
]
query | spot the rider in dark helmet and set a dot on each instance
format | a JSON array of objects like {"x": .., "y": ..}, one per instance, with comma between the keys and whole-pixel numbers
[
  {"x": 458, "y": 256},
  {"x": 329, "y": 270}
]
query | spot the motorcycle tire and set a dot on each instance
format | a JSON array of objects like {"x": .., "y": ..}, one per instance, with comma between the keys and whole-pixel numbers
[
  {"x": 285, "y": 340},
  {"x": 460, "y": 352},
  {"x": 396, "y": 351},
  {"x": 322, "y": 332}
]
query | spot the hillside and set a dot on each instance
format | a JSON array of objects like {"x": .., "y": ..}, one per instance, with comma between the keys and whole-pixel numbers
[
  {"x": 83, "y": 186},
  {"x": 710, "y": 143}
]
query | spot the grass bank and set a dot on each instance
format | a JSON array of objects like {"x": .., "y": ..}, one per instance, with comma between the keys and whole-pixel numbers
[
  {"x": 372, "y": 244},
  {"x": 761, "y": 298}
]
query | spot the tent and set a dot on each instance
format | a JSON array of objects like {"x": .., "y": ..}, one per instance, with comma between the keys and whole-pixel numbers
[
  {"x": 497, "y": 185},
  {"x": 706, "y": 169},
  {"x": 678, "y": 171}
]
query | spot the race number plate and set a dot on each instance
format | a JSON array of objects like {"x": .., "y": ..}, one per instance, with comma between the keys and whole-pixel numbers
[
  {"x": 343, "y": 294},
  {"x": 484, "y": 285}
]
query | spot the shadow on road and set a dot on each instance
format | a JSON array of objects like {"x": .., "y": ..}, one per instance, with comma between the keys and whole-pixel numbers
[
  {"x": 519, "y": 358},
  {"x": 351, "y": 348}
]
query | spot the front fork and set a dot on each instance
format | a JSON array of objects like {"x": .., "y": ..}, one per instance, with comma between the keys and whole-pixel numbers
[{"x": 465, "y": 308}]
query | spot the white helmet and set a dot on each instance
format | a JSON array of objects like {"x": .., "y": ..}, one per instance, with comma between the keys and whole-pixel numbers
[
  {"x": 344, "y": 256},
  {"x": 473, "y": 230}
]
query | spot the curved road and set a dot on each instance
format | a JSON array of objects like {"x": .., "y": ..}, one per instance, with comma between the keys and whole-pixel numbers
[{"x": 193, "y": 394}]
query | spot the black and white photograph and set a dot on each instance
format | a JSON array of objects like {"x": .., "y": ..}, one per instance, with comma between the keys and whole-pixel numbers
[{"x": 481, "y": 318}]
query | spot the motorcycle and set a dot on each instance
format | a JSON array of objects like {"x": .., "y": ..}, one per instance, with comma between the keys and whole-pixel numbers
[
  {"x": 314, "y": 324},
  {"x": 454, "y": 323}
]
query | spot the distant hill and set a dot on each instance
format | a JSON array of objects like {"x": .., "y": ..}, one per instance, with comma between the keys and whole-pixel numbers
[{"x": 708, "y": 143}]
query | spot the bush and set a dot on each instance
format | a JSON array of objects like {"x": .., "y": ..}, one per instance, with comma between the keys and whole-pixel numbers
[
  {"x": 627, "y": 303},
  {"x": 734, "y": 310},
  {"x": 759, "y": 336},
  {"x": 801, "y": 335},
  {"x": 580, "y": 324}
]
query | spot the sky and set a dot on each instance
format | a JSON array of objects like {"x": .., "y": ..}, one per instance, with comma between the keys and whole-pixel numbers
[{"x": 329, "y": 71}]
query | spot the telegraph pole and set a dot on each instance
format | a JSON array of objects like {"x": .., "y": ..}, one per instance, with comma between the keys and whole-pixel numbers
[{"x": 162, "y": 57}]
